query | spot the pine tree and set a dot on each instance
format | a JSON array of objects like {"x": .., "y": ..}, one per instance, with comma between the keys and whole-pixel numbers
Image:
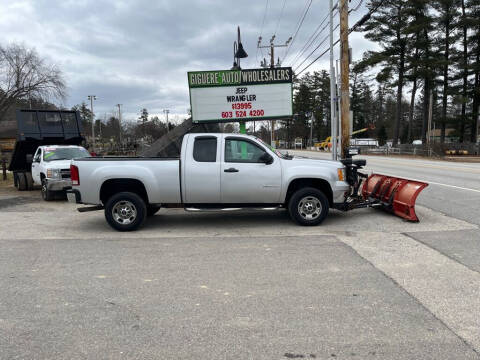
[
  {"x": 421, "y": 23},
  {"x": 143, "y": 118},
  {"x": 387, "y": 28},
  {"x": 321, "y": 104},
  {"x": 447, "y": 23},
  {"x": 86, "y": 117},
  {"x": 382, "y": 135},
  {"x": 302, "y": 104},
  {"x": 474, "y": 45}
]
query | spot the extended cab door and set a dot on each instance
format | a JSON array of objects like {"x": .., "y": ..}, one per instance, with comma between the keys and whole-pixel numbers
[
  {"x": 246, "y": 178},
  {"x": 201, "y": 169},
  {"x": 37, "y": 158}
]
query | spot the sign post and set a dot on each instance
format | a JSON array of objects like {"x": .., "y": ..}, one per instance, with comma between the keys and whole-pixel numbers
[{"x": 241, "y": 95}]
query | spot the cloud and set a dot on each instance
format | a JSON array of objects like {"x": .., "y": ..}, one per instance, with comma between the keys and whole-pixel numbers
[{"x": 137, "y": 52}]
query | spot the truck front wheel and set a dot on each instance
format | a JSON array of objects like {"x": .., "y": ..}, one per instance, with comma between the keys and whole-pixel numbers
[
  {"x": 125, "y": 211},
  {"x": 46, "y": 194},
  {"x": 308, "y": 206}
]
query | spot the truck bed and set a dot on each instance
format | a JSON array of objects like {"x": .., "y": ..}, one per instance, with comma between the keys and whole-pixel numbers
[
  {"x": 43, "y": 127},
  {"x": 159, "y": 176}
]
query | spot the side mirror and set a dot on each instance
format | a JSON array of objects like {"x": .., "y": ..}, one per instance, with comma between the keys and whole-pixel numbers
[
  {"x": 29, "y": 158},
  {"x": 266, "y": 158}
]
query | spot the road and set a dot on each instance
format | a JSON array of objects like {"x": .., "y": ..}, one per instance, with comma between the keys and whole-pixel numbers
[{"x": 454, "y": 187}]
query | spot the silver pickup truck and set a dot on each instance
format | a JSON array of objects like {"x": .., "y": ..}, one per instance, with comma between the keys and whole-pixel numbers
[{"x": 214, "y": 172}]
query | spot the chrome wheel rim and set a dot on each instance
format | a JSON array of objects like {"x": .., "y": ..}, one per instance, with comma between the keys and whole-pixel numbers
[
  {"x": 44, "y": 190},
  {"x": 309, "y": 208},
  {"x": 124, "y": 212}
]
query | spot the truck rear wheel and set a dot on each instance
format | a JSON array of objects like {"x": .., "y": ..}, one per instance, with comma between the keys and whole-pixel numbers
[
  {"x": 22, "y": 182},
  {"x": 125, "y": 211},
  {"x": 308, "y": 206},
  {"x": 29, "y": 179}
]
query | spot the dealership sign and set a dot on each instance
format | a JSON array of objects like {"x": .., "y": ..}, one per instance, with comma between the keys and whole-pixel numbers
[{"x": 236, "y": 95}]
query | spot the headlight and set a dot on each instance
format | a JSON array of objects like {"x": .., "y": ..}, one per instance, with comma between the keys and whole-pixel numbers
[
  {"x": 341, "y": 174},
  {"x": 54, "y": 174}
]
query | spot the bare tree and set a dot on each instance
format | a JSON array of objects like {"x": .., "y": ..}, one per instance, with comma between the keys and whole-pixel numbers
[{"x": 24, "y": 75}]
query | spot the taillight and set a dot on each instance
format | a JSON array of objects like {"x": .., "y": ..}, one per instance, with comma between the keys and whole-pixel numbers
[{"x": 75, "y": 176}]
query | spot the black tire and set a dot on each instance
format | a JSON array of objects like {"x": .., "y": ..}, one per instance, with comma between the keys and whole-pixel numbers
[
  {"x": 308, "y": 206},
  {"x": 152, "y": 210},
  {"x": 125, "y": 211},
  {"x": 47, "y": 195},
  {"x": 15, "y": 180},
  {"x": 28, "y": 177},
  {"x": 22, "y": 182}
]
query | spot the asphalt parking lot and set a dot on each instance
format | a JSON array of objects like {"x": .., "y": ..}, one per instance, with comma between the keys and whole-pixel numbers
[{"x": 250, "y": 285}]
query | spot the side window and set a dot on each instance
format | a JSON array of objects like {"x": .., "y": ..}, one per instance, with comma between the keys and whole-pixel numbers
[
  {"x": 242, "y": 151},
  {"x": 37, "y": 156},
  {"x": 205, "y": 149}
]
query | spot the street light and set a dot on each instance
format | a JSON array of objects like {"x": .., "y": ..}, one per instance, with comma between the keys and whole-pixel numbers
[
  {"x": 309, "y": 115},
  {"x": 166, "y": 112},
  {"x": 238, "y": 51},
  {"x": 120, "y": 123},
  {"x": 91, "y": 98}
]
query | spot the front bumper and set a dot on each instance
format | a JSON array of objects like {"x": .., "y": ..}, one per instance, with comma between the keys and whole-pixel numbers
[
  {"x": 341, "y": 188},
  {"x": 74, "y": 196},
  {"x": 59, "y": 185}
]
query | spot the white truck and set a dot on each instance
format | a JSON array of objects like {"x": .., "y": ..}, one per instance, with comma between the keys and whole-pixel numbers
[
  {"x": 36, "y": 131},
  {"x": 214, "y": 171},
  {"x": 51, "y": 167}
]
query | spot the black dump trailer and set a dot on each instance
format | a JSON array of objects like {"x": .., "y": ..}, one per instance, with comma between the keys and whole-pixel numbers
[{"x": 41, "y": 127}]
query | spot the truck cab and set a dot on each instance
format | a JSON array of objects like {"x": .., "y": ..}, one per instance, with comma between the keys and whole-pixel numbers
[{"x": 51, "y": 167}]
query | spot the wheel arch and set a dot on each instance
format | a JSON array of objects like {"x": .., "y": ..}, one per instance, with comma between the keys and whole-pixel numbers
[
  {"x": 111, "y": 187},
  {"x": 317, "y": 183}
]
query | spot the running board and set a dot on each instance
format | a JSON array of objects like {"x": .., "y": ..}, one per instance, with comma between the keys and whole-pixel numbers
[
  {"x": 212, "y": 209},
  {"x": 90, "y": 208}
]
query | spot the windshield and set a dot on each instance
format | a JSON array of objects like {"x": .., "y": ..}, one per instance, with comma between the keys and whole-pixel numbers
[
  {"x": 52, "y": 154},
  {"x": 277, "y": 152}
]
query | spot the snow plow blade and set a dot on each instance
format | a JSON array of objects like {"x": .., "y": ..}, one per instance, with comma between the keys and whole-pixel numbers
[{"x": 397, "y": 195}]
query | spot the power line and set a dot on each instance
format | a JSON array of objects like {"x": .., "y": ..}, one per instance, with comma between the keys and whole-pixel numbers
[
  {"x": 359, "y": 23},
  {"x": 310, "y": 41},
  {"x": 298, "y": 28},
  {"x": 280, "y": 17},
  {"x": 261, "y": 30},
  {"x": 356, "y": 7},
  {"x": 320, "y": 44}
]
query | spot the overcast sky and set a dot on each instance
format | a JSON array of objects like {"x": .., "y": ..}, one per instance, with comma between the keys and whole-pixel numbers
[{"x": 137, "y": 52}]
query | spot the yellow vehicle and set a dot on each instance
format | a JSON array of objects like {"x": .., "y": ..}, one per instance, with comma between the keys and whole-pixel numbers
[{"x": 326, "y": 145}]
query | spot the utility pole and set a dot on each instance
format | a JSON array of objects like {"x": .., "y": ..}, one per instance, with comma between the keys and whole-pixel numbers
[
  {"x": 166, "y": 112},
  {"x": 429, "y": 128},
  {"x": 345, "y": 74},
  {"x": 339, "y": 110},
  {"x": 91, "y": 98},
  {"x": 333, "y": 118},
  {"x": 311, "y": 129},
  {"x": 272, "y": 47},
  {"x": 478, "y": 126},
  {"x": 120, "y": 123}
]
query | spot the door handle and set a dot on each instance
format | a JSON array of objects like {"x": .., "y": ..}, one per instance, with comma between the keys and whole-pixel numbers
[{"x": 231, "y": 170}]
